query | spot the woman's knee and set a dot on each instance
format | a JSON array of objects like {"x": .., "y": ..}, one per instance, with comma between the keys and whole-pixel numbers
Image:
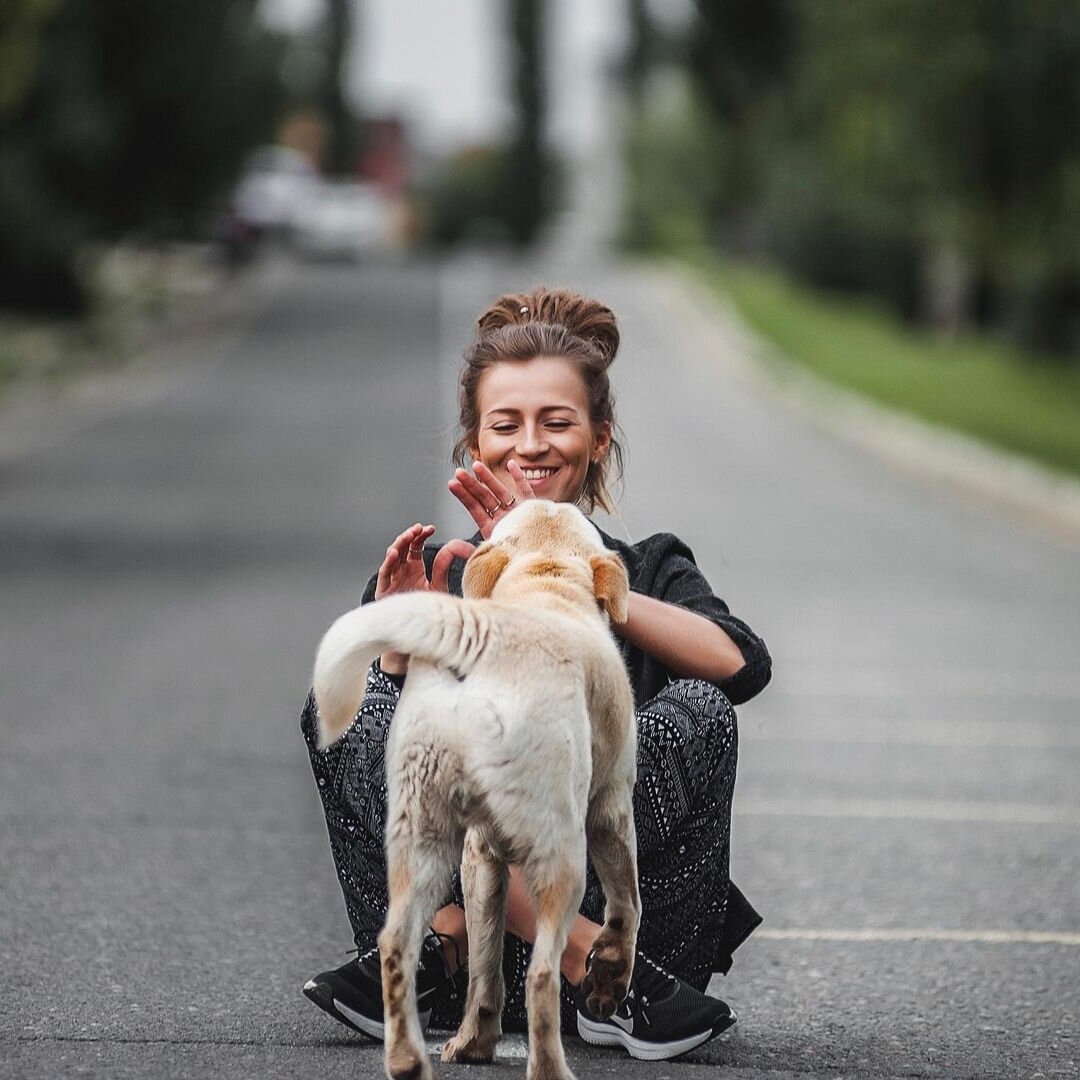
[{"x": 695, "y": 705}]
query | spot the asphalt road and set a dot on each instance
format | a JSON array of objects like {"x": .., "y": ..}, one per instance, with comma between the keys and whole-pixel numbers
[{"x": 174, "y": 540}]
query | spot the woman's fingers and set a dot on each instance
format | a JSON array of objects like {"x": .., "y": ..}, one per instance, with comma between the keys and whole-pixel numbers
[
  {"x": 406, "y": 540},
  {"x": 465, "y": 488},
  {"x": 499, "y": 491},
  {"x": 452, "y": 549},
  {"x": 524, "y": 488},
  {"x": 403, "y": 567},
  {"x": 383, "y": 582}
]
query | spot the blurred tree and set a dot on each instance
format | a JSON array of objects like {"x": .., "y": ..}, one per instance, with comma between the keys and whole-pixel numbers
[
  {"x": 925, "y": 151},
  {"x": 949, "y": 120},
  {"x": 640, "y": 54},
  {"x": 20, "y": 29},
  {"x": 342, "y": 144},
  {"x": 134, "y": 119},
  {"x": 741, "y": 53},
  {"x": 525, "y": 177}
]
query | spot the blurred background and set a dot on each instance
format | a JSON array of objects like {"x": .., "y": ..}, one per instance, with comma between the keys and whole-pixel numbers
[
  {"x": 918, "y": 161},
  {"x": 242, "y": 247}
]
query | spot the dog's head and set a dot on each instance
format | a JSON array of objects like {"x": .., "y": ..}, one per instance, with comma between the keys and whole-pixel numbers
[{"x": 542, "y": 541}]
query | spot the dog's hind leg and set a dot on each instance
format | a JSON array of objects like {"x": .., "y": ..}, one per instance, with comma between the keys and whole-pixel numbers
[
  {"x": 613, "y": 851},
  {"x": 557, "y": 885},
  {"x": 484, "y": 879},
  {"x": 419, "y": 875}
]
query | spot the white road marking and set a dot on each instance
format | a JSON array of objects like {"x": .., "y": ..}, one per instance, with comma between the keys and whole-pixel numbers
[
  {"x": 509, "y": 1048},
  {"x": 985, "y": 937},
  {"x": 900, "y": 809}
]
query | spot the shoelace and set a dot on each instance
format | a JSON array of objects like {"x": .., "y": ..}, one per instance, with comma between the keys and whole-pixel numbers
[{"x": 648, "y": 980}]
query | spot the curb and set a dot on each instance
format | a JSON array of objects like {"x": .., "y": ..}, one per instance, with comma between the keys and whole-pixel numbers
[{"x": 1036, "y": 496}]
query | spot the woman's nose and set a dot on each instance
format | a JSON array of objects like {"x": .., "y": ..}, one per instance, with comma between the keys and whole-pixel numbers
[{"x": 531, "y": 441}]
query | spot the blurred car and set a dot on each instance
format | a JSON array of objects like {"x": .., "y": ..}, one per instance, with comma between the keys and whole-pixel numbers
[
  {"x": 273, "y": 191},
  {"x": 343, "y": 219}
]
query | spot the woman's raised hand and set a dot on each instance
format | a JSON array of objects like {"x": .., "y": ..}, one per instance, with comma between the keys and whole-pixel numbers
[
  {"x": 403, "y": 571},
  {"x": 485, "y": 496},
  {"x": 402, "y": 568}
]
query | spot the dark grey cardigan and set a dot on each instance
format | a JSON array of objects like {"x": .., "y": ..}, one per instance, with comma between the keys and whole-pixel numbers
[{"x": 663, "y": 567}]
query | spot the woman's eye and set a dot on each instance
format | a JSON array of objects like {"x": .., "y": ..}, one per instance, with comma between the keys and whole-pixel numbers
[
  {"x": 504, "y": 429},
  {"x": 558, "y": 425}
]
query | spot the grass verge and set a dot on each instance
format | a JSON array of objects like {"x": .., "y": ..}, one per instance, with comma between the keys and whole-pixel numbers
[{"x": 1025, "y": 403}]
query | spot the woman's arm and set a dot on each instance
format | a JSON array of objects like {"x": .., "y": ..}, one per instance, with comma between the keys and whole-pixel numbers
[{"x": 683, "y": 641}]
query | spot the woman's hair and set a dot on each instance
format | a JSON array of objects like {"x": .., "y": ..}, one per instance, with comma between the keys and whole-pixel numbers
[{"x": 548, "y": 322}]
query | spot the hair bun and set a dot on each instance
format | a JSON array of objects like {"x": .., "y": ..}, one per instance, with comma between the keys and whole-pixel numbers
[{"x": 594, "y": 323}]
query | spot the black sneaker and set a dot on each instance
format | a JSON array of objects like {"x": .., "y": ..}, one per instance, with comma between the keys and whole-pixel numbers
[
  {"x": 352, "y": 993},
  {"x": 661, "y": 1016}
]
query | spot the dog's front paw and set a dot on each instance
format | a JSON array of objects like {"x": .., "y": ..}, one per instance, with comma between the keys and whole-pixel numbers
[
  {"x": 469, "y": 1050},
  {"x": 409, "y": 1064},
  {"x": 607, "y": 977},
  {"x": 548, "y": 1071}
]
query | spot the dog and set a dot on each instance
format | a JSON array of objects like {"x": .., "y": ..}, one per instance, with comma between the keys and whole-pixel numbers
[{"x": 513, "y": 744}]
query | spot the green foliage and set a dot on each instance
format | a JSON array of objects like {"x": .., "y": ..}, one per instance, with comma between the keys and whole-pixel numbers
[
  {"x": 920, "y": 151},
  {"x": 674, "y": 153},
  {"x": 472, "y": 197},
  {"x": 20, "y": 26},
  {"x": 974, "y": 384},
  {"x": 135, "y": 119},
  {"x": 460, "y": 200}
]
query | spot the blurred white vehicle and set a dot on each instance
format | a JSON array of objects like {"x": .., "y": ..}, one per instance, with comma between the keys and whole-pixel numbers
[
  {"x": 274, "y": 190},
  {"x": 344, "y": 219}
]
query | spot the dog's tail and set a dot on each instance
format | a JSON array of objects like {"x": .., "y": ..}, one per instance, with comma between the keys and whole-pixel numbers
[{"x": 442, "y": 629}]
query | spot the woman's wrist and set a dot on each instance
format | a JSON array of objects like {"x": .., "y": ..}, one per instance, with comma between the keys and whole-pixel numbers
[{"x": 394, "y": 663}]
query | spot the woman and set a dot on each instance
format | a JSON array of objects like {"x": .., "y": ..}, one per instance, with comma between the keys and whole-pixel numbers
[{"x": 537, "y": 420}]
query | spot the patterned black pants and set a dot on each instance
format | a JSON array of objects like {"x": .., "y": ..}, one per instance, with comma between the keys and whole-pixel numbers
[{"x": 687, "y": 755}]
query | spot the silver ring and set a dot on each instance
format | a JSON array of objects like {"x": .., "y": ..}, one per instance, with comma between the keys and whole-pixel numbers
[
  {"x": 416, "y": 553},
  {"x": 491, "y": 513},
  {"x": 506, "y": 506}
]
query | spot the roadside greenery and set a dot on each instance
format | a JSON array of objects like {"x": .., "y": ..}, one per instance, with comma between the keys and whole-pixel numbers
[
  {"x": 1018, "y": 400},
  {"x": 120, "y": 122},
  {"x": 921, "y": 153}
]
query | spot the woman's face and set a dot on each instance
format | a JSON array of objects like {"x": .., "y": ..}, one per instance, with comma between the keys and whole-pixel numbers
[{"x": 536, "y": 412}]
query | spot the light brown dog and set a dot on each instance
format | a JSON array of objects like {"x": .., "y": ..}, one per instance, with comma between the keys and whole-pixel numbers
[{"x": 513, "y": 743}]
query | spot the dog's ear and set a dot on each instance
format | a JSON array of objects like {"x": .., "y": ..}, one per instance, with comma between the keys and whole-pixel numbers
[
  {"x": 482, "y": 570},
  {"x": 611, "y": 585}
]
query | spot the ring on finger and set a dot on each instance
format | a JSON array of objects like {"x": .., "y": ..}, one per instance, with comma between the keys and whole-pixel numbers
[
  {"x": 507, "y": 505},
  {"x": 494, "y": 510},
  {"x": 416, "y": 552}
]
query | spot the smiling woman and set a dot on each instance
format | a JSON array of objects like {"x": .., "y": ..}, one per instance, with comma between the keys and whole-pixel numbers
[
  {"x": 538, "y": 415},
  {"x": 535, "y": 380},
  {"x": 537, "y": 420}
]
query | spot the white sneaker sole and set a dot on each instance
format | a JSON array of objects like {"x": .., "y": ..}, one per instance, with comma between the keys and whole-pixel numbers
[
  {"x": 598, "y": 1033},
  {"x": 366, "y": 1024}
]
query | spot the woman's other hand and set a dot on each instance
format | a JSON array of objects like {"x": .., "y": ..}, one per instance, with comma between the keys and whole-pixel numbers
[
  {"x": 485, "y": 496},
  {"x": 402, "y": 567},
  {"x": 402, "y": 571}
]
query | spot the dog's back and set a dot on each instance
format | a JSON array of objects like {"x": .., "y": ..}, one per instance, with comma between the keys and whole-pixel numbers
[{"x": 511, "y": 745}]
